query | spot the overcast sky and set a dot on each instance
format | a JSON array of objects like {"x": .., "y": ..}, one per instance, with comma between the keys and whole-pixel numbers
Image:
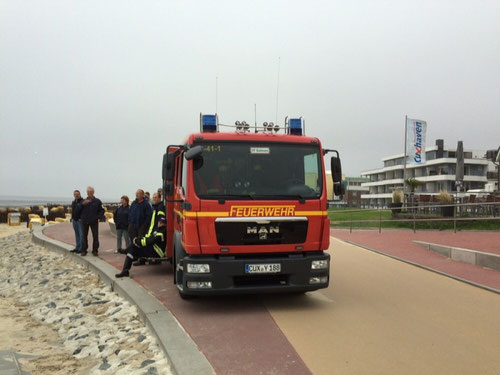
[{"x": 91, "y": 92}]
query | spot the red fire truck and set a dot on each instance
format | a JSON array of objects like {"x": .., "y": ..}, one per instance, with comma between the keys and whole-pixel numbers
[{"x": 247, "y": 210}]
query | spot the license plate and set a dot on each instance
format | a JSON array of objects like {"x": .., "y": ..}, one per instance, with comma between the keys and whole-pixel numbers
[{"x": 263, "y": 268}]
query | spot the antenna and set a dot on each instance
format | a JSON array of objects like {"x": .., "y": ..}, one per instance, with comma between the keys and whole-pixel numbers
[
  {"x": 278, "y": 88},
  {"x": 255, "y": 114},
  {"x": 216, "y": 92}
]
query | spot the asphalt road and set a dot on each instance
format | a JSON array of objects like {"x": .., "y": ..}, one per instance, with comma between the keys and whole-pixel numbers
[{"x": 382, "y": 316}]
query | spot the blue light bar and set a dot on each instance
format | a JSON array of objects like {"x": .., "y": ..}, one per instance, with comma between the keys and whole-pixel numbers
[
  {"x": 209, "y": 123},
  {"x": 295, "y": 126}
]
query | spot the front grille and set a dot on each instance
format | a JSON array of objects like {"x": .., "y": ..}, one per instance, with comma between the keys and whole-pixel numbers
[
  {"x": 252, "y": 233},
  {"x": 260, "y": 280}
]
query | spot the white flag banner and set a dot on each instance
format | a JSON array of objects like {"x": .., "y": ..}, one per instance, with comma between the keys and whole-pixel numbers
[{"x": 415, "y": 139}]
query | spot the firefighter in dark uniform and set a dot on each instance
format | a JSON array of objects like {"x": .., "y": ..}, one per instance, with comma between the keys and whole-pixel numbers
[{"x": 151, "y": 245}]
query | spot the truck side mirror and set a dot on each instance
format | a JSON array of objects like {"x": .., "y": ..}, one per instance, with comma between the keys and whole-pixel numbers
[
  {"x": 336, "y": 167},
  {"x": 193, "y": 152},
  {"x": 168, "y": 188},
  {"x": 169, "y": 166},
  {"x": 164, "y": 167}
]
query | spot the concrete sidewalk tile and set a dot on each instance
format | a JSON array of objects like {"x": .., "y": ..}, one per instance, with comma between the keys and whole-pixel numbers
[
  {"x": 425, "y": 245},
  {"x": 183, "y": 353},
  {"x": 463, "y": 255},
  {"x": 488, "y": 261},
  {"x": 440, "y": 249}
]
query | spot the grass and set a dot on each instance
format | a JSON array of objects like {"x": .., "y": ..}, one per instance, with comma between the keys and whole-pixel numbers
[{"x": 343, "y": 221}]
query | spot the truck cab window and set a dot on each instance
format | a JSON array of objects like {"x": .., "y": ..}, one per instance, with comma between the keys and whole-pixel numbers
[{"x": 244, "y": 170}]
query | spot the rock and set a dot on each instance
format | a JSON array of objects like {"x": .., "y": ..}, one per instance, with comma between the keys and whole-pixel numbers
[
  {"x": 98, "y": 302},
  {"x": 146, "y": 362},
  {"x": 51, "y": 305},
  {"x": 101, "y": 348},
  {"x": 78, "y": 351},
  {"x": 141, "y": 338},
  {"x": 104, "y": 366}
]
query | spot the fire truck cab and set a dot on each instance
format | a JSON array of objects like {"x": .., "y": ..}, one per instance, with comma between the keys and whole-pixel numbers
[{"x": 247, "y": 211}]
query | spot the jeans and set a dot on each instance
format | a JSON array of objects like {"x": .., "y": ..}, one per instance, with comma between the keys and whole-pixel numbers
[
  {"x": 95, "y": 236},
  {"x": 77, "y": 227},
  {"x": 119, "y": 234}
]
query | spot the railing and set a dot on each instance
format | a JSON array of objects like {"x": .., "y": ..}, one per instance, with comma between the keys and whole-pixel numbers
[{"x": 483, "y": 210}]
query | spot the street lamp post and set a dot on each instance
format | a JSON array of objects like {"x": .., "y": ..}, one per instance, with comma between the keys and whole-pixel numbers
[{"x": 497, "y": 162}]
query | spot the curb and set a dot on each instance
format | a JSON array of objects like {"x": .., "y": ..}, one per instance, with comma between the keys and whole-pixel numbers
[
  {"x": 183, "y": 354},
  {"x": 490, "y": 289},
  {"x": 477, "y": 258}
]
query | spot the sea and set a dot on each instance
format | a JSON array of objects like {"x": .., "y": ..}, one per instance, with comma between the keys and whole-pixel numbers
[{"x": 17, "y": 201}]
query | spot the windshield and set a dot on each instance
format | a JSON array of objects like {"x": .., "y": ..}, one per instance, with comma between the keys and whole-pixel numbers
[{"x": 245, "y": 170}]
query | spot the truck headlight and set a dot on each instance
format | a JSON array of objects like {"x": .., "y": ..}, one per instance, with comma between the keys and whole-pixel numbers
[
  {"x": 319, "y": 264},
  {"x": 198, "y": 268}
]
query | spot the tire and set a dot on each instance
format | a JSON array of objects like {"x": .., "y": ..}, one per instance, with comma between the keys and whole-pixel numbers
[{"x": 178, "y": 273}]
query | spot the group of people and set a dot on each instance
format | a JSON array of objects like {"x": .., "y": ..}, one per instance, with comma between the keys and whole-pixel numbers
[{"x": 141, "y": 225}]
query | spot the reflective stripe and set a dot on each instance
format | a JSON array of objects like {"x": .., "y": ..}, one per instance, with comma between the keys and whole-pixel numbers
[
  {"x": 159, "y": 234},
  {"x": 226, "y": 214},
  {"x": 152, "y": 225},
  {"x": 158, "y": 249},
  {"x": 143, "y": 241},
  {"x": 311, "y": 213},
  {"x": 161, "y": 213}
]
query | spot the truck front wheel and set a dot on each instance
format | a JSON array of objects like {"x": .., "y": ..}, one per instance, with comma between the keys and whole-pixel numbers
[{"x": 179, "y": 272}]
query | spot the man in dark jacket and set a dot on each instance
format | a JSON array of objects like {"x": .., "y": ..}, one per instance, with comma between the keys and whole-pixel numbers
[
  {"x": 121, "y": 223},
  {"x": 152, "y": 245},
  {"x": 139, "y": 215},
  {"x": 75, "y": 219},
  {"x": 91, "y": 212}
]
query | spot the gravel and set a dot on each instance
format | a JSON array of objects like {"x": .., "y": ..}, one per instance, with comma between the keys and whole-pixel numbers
[{"x": 91, "y": 320}]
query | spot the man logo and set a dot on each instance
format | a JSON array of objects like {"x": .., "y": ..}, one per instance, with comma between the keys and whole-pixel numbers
[{"x": 263, "y": 231}]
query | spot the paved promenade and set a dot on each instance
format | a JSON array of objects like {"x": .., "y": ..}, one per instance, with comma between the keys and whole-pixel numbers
[
  {"x": 399, "y": 243},
  {"x": 379, "y": 315}
]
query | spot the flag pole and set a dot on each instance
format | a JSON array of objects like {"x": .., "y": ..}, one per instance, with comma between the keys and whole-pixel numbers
[{"x": 404, "y": 157}]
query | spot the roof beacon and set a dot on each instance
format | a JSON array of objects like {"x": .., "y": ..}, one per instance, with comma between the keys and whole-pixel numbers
[
  {"x": 209, "y": 123},
  {"x": 295, "y": 126}
]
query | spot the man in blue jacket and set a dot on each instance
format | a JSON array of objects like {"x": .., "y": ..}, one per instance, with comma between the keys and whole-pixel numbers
[
  {"x": 91, "y": 212},
  {"x": 139, "y": 216}
]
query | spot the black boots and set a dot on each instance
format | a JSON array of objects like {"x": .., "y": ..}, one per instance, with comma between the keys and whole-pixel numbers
[
  {"x": 126, "y": 267},
  {"x": 140, "y": 262},
  {"x": 125, "y": 251}
]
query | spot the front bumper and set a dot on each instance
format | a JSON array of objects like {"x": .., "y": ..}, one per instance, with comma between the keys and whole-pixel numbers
[{"x": 227, "y": 274}]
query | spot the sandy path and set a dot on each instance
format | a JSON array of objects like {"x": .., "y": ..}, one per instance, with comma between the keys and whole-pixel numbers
[{"x": 6, "y": 230}]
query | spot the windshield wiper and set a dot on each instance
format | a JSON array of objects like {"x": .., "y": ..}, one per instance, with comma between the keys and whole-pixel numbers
[
  {"x": 299, "y": 197},
  {"x": 227, "y": 196}
]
